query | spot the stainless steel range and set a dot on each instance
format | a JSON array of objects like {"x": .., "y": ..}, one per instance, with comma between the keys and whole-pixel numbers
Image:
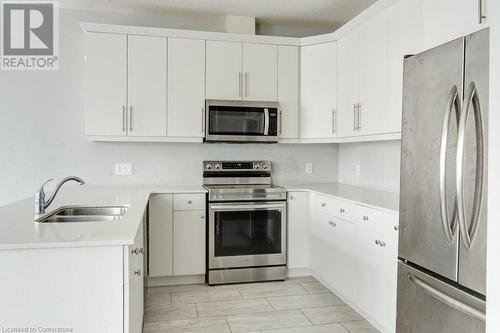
[{"x": 246, "y": 222}]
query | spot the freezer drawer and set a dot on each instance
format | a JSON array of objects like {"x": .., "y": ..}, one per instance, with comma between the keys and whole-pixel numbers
[{"x": 426, "y": 304}]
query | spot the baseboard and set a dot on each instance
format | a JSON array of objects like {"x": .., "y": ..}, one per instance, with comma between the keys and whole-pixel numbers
[
  {"x": 297, "y": 272},
  {"x": 349, "y": 302},
  {"x": 175, "y": 280}
]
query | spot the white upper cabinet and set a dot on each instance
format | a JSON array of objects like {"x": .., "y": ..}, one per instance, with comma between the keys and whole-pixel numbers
[
  {"x": 224, "y": 77},
  {"x": 318, "y": 90},
  {"x": 147, "y": 87},
  {"x": 186, "y": 87},
  {"x": 371, "y": 118},
  {"x": 288, "y": 90},
  {"x": 241, "y": 71},
  {"x": 260, "y": 72},
  {"x": 445, "y": 20},
  {"x": 105, "y": 84},
  {"x": 348, "y": 83},
  {"x": 404, "y": 37}
]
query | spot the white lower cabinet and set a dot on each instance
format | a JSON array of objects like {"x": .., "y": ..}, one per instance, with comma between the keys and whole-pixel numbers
[
  {"x": 134, "y": 283},
  {"x": 355, "y": 255},
  {"x": 189, "y": 242},
  {"x": 298, "y": 231},
  {"x": 176, "y": 234}
]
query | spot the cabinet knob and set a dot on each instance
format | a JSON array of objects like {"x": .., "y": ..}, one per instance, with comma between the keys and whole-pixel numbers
[
  {"x": 323, "y": 204},
  {"x": 380, "y": 243},
  {"x": 365, "y": 218},
  {"x": 203, "y": 217},
  {"x": 138, "y": 272},
  {"x": 396, "y": 227},
  {"x": 135, "y": 251},
  {"x": 190, "y": 202},
  {"x": 333, "y": 224},
  {"x": 292, "y": 197},
  {"x": 142, "y": 250},
  {"x": 342, "y": 210}
]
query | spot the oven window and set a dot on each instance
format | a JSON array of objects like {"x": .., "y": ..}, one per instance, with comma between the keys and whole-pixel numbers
[
  {"x": 224, "y": 120},
  {"x": 247, "y": 232}
]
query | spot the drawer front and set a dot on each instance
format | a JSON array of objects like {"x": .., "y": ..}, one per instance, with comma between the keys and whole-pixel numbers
[
  {"x": 189, "y": 201},
  {"x": 342, "y": 209},
  {"x": 377, "y": 220}
]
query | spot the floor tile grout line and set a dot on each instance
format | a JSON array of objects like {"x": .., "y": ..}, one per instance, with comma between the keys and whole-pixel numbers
[
  {"x": 342, "y": 324},
  {"x": 228, "y": 325},
  {"x": 306, "y": 317}
]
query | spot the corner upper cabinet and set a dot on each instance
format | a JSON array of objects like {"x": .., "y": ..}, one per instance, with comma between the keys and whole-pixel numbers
[
  {"x": 105, "y": 84},
  {"x": 186, "y": 87},
  {"x": 288, "y": 90},
  {"x": 125, "y": 85},
  {"x": 318, "y": 90},
  {"x": 241, "y": 71}
]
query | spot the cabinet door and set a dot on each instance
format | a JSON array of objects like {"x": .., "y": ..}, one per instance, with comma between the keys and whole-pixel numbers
[
  {"x": 134, "y": 290},
  {"x": 260, "y": 72},
  {"x": 147, "y": 86},
  {"x": 288, "y": 90},
  {"x": 186, "y": 87},
  {"x": 318, "y": 244},
  {"x": 373, "y": 75},
  {"x": 348, "y": 83},
  {"x": 376, "y": 277},
  {"x": 446, "y": 20},
  {"x": 224, "y": 77},
  {"x": 189, "y": 242},
  {"x": 318, "y": 90},
  {"x": 105, "y": 83},
  {"x": 298, "y": 229},
  {"x": 160, "y": 235},
  {"x": 340, "y": 256},
  {"x": 404, "y": 31}
]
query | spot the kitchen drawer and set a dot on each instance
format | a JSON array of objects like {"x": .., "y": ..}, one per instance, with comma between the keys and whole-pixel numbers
[
  {"x": 377, "y": 220},
  {"x": 342, "y": 209},
  {"x": 189, "y": 201}
]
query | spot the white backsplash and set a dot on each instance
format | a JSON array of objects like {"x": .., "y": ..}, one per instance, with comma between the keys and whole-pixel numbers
[{"x": 378, "y": 162}]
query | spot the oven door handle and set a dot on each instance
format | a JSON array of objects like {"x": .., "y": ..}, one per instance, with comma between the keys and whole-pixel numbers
[
  {"x": 246, "y": 207},
  {"x": 266, "y": 121}
]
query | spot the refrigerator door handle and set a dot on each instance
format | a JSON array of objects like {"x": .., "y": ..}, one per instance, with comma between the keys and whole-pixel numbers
[
  {"x": 450, "y": 301},
  {"x": 468, "y": 232},
  {"x": 448, "y": 227}
]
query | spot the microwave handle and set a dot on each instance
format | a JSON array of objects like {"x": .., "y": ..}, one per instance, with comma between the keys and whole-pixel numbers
[{"x": 266, "y": 121}]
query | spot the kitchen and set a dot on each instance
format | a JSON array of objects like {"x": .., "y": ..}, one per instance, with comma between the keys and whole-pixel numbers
[{"x": 51, "y": 133}]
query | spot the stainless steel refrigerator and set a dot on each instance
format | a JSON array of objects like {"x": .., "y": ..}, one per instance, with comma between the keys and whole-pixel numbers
[{"x": 442, "y": 236}]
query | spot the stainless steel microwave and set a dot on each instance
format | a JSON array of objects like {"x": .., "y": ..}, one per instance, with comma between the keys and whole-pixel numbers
[{"x": 242, "y": 121}]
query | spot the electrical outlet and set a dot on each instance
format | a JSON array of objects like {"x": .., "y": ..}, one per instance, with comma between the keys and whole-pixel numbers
[
  {"x": 309, "y": 168},
  {"x": 358, "y": 170},
  {"x": 123, "y": 169}
]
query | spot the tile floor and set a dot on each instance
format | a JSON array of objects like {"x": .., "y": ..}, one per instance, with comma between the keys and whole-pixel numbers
[{"x": 298, "y": 305}]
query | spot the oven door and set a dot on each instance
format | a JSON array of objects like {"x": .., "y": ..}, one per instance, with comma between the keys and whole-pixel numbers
[
  {"x": 248, "y": 234},
  {"x": 241, "y": 123}
]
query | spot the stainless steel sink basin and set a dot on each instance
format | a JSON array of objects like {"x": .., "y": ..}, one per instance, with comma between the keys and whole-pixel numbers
[{"x": 84, "y": 214}]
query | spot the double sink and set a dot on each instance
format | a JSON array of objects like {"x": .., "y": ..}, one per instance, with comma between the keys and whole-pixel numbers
[{"x": 84, "y": 214}]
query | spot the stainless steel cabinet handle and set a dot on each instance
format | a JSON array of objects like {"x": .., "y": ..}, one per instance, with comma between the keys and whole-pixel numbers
[
  {"x": 190, "y": 202},
  {"x": 468, "y": 233},
  {"x": 246, "y": 84},
  {"x": 131, "y": 119},
  {"x": 138, "y": 272},
  {"x": 380, "y": 243},
  {"x": 448, "y": 227},
  {"x": 359, "y": 116},
  {"x": 136, "y": 251},
  {"x": 240, "y": 84},
  {"x": 396, "y": 227},
  {"x": 365, "y": 218},
  {"x": 333, "y": 121},
  {"x": 354, "y": 107},
  {"x": 450, "y": 301},
  {"x": 323, "y": 204},
  {"x": 482, "y": 15},
  {"x": 342, "y": 210},
  {"x": 142, "y": 250},
  {"x": 333, "y": 224},
  {"x": 124, "y": 116}
]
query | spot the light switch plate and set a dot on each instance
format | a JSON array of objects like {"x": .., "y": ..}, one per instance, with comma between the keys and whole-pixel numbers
[
  {"x": 358, "y": 170},
  {"x": 309, "y": 168},
  {"x": 123, "y": 169}
]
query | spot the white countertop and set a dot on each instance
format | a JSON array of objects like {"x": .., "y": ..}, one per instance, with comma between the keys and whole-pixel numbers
[
  {"x": 371, "y": 198},
  {"x": 19, "y": 231}
]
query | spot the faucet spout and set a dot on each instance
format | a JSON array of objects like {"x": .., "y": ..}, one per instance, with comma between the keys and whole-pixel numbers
[{"x": 40, "y": 203}]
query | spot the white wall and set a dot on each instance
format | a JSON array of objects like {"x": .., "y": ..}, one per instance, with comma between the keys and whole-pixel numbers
[
  {"x": 379, "y": 164},
  {"x": 42, "y": 128}
]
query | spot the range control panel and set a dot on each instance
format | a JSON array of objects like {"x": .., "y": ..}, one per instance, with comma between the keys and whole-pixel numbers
[{"x": 237, "y": 166}]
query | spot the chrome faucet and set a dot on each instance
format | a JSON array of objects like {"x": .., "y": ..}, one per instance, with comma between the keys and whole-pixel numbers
[{"x": 41, "y": 204}]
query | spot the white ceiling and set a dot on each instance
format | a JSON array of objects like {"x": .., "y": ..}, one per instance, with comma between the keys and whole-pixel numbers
[{"x": 332, "y": 13}]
